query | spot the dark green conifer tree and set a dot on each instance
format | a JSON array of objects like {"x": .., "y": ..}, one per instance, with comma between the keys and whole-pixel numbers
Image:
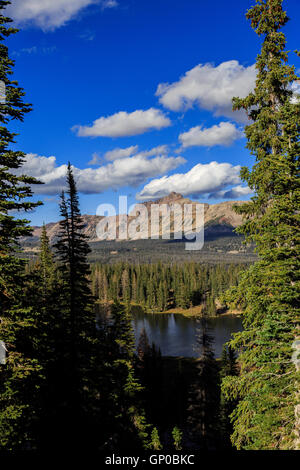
[
  {"x": 46, "y": 261},
  {"x": 155, "y": 440},
  {"x": 177, "y": 438},
  {"x": 143, "y": 348},
  {"x": 229, "y": 368},
  {"x": 128, "y": 423},
  {"x": 203, "y": 411},
  {"x": 75, "y": 379},
  {"x": 269, "y": 291},
  {"x": 21, "y": 376}
]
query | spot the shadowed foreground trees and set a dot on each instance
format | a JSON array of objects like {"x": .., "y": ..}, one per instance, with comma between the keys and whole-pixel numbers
[
  {"x": 71, "y": 381},
  {"x": 72, "y": 376},
  {"x": 22, "y": 375},
  {"x": 92, "y": 398},
  {"x": 204, "y": 399}
]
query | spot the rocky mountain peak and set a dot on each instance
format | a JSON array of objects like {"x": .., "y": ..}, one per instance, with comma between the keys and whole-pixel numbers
[
  {"x": 172, "y": 197},
  {"x": 214, "y": 215}
]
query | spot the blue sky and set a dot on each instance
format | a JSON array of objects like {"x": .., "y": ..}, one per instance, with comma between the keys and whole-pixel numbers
[{"x": 136, "y": 94}]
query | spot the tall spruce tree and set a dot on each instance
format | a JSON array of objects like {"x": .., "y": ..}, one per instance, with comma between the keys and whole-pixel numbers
[
  {"x": 46, "y": 262},
  {"x": 20, "y": 377},
  {"x": 269, "y": 291},
  {"x": 228, "y": 368},
  {"x": 77, "y": 382},
  {"x": 128, "y": 424},
  {"x": 203, "y": 411}
]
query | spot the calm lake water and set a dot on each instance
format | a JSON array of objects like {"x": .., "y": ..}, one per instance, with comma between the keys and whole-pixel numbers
[{"x": 176, "y": 334}]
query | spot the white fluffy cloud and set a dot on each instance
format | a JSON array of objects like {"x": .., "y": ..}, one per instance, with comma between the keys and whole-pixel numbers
[
  {"x": 201, "y": 179},
  {"x": 211, "y": 88},
  {"x": 118, "y": 153},
  {"x": 160, "y": 150},
  {"x": 224, "y": 133},
  {"x": 233, "y": 193},
  {"x": 124, "y": 124},
  {"x": 50, "y": 14},
  {"x": 130, "y": 171}
]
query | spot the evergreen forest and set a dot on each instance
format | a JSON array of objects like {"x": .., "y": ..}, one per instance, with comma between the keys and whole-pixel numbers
[{"x": 74, "y": 381}]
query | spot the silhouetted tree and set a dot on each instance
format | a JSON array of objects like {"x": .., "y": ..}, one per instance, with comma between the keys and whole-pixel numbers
[{"x": 203, "y": 411}]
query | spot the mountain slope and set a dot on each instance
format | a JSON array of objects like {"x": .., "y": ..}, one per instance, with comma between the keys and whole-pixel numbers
[{"x": 218, "y": 218}]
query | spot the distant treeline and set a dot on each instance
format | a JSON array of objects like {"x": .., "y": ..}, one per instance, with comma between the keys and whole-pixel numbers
[{"x": 159, "y": 287}]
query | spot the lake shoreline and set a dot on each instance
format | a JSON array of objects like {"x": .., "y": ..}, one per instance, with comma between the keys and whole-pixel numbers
[
  {"x": 192, "y": 312},
  {"x": 196, "y": 315}
]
